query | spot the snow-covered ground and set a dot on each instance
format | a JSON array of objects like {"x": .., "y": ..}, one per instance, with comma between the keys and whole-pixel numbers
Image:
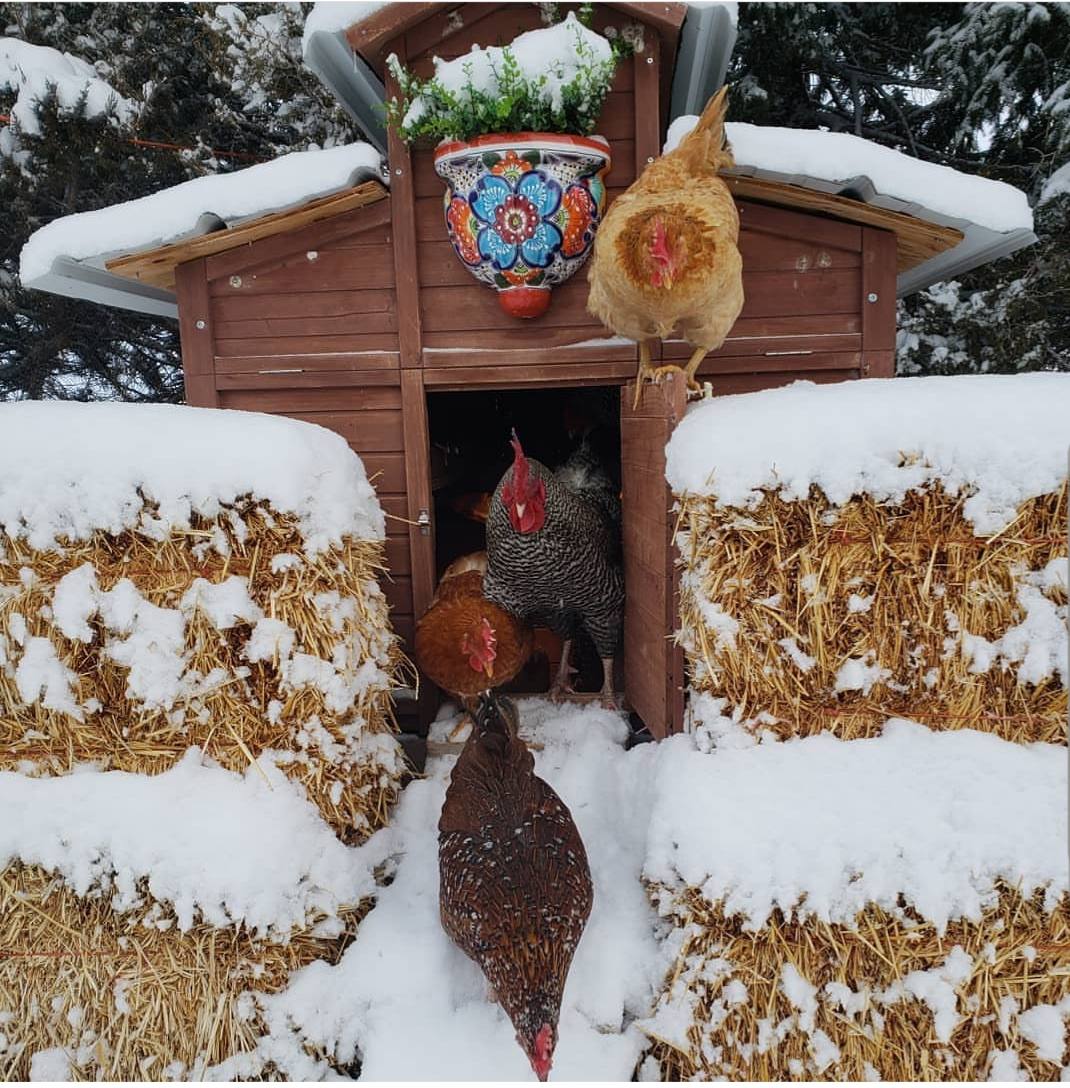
[{"x": 936, "y": 816}]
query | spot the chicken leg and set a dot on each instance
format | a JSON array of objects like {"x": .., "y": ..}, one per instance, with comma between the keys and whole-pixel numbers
[
  {"x": 609, "y": 697},
  {"x": 562, "y": 684}
]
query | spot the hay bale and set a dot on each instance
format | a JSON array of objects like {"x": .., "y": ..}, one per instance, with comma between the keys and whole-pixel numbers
[
  {"x": 213, "y": 597},
  {"x": 807, "y": 616},
  {"x": 874, "y": 549},
  {"x": 887, "y": 996}
]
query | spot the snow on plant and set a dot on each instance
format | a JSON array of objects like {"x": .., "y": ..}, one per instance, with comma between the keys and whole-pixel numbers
[{"x": 550, "y": 80}]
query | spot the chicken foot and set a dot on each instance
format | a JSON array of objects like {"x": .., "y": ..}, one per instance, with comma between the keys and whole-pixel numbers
[
  {"x": 656, "y": 373},
  {"x": 562, "y": 684}
]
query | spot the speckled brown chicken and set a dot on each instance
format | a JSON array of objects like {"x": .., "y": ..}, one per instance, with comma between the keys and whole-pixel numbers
[{"x": 514, "y": 885}]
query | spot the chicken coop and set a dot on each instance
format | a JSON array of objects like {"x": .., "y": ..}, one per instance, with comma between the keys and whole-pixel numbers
[{"x": 350, "y": 309}]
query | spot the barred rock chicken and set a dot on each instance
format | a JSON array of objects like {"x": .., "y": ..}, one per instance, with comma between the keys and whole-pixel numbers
[
  {"x": 553, "y": 560},
  {"x": 464, "y": 643},
  {"x": 514, "y": 885},
  {"x": 665, "y": 256}
]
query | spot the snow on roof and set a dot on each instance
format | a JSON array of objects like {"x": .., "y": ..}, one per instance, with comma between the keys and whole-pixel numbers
[
  {"x": 31, "y": 70},
  {"x": 198, "y": 206},
  {"x": 1002, "y": 437},
  {"x": 841, "y": 157},
  {"x": 212, "y": 844},
  {"x": 72, "y": 469},
  {"x": 338, "y": 16}
]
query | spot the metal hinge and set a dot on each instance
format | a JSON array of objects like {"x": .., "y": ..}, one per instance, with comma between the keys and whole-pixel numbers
[{"x": 424, "y": 521}]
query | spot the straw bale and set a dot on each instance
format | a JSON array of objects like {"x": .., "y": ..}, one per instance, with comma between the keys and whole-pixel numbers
[
  {"x": 725, "y": 1011},
  {"x": 128, "y": 997},
  {"x": 333, "y": 733},
  {"x": 902, "y": 588}
]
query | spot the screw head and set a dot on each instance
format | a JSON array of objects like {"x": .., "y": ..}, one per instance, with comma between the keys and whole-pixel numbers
[
  {"x": 235, "y": 281},
  {"x": 649, "y": 159},
  {"x": 397, "y": 172},
  {"x": 312, "y": 255},
  {"x": 200, "y": 325},
  {"x": 872, "y": 296},
  {"x": 650, "y": 60}
]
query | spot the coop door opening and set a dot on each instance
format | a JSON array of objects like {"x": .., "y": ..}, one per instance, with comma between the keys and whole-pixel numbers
[{"x": 469, "y": 452}]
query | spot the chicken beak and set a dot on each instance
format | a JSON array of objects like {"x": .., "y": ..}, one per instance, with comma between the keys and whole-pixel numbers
[
  {"x": 520, "y": 508},
  {"x": 488, "y": 668}
]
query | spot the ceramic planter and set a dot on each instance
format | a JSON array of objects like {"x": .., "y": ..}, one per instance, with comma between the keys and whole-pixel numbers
[{"x": 522, "y": 210}]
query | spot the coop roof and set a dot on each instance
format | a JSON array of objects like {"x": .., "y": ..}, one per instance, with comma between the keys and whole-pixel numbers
[
  {"x": 125, "y": 255},
  {"x": 946, "y": 222}
]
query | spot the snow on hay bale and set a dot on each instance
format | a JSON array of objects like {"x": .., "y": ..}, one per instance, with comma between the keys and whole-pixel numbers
[
  {"x": 893, "y": 907},
  {"x": 190, "y": 619},
  {"x": 876, "y": 549}
]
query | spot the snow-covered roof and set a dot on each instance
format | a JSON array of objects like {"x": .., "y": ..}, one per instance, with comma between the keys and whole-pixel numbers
[
  {"x": 69, "y": 255},
  {"x": 1001, "y": 437},
  {"x": 70, "y": 469},
  {"x": 994, "y": 218}
]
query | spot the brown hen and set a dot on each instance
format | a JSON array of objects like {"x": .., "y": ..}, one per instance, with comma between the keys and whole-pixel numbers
[
  {"x": 514, "y": 885},
  {"x": 465, "y": 644},
  {"x": 666, "y": 256}
]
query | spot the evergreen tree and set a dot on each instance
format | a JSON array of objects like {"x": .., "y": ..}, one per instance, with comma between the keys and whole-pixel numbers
[
  {"x": 225, "y": 83},
  {"x": 984, "y": 88}
]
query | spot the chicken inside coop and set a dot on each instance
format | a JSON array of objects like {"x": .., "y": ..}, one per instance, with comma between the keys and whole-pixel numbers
[{"x": 573, "y": 432}]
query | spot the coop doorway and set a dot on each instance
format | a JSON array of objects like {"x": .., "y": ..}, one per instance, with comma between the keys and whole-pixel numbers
[{"x": 469, "y": 451}]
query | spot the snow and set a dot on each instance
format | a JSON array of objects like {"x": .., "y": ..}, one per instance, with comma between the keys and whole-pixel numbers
[
  {"x": 50, "y": 1065},
  {"x": 1000, "y": 438},
  {"x": 841, "y": 157},
  {"x": 212, "y": 844},
  {"x": 72, "y": 469},
  {"x": 193, "y": 207},
  {"x": 1056, "y": 185},
  {"x": 334, "y": 15},
  {"x": 551, "y": 58},
  {"x": 832, "y": 825},
  {"x": 1044, "y": 1026},
  {"x": 31, "y": 71}
]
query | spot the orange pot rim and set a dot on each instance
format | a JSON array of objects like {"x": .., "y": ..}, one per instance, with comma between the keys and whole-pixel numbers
[{"x": 517, "y": 140}]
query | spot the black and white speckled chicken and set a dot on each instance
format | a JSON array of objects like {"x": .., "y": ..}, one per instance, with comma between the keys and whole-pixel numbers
[
  {"x": 553, "y": 560},
  {"x": 514, "y": 884}
]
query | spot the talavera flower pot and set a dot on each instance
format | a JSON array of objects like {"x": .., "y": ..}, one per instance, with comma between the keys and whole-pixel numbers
[{"x": 522, "y": 210}]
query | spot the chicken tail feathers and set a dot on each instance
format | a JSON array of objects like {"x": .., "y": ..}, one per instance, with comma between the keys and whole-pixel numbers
[{"x": 704, "y": 148}]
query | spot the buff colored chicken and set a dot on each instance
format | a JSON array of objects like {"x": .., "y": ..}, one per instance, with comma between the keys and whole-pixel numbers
[{"x": 666, "y": 256}]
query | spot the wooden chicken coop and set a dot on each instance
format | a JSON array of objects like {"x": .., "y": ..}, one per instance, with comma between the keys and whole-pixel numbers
[{"x": 353, "y": 312}]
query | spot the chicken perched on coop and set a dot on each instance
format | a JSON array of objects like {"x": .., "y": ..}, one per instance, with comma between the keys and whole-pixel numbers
[
  {"x": 666, "y": 256},
  {"x": 553, "y": 558},
  {"x": 464, "y": 643},
  {"x": 514, "y": 884}
]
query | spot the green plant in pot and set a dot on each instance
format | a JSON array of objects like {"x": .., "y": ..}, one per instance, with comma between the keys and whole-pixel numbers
[{"x": 525, "y": 188}]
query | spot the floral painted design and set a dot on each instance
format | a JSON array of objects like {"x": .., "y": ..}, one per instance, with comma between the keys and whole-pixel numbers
[
  {"x": 463, "y": 228},
  {"x": 515, "y": 219},
  {"x": 580, "y": 212},
  {"x": 523, "y": 216}
]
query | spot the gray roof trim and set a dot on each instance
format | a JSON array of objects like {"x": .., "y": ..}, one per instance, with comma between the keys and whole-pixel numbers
[
  {"x": 980, "y": 244},
  {"x": 79, "y": 279},
  {"x": 359, "y": 90},
  {"x": 707, "y": 39}
]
